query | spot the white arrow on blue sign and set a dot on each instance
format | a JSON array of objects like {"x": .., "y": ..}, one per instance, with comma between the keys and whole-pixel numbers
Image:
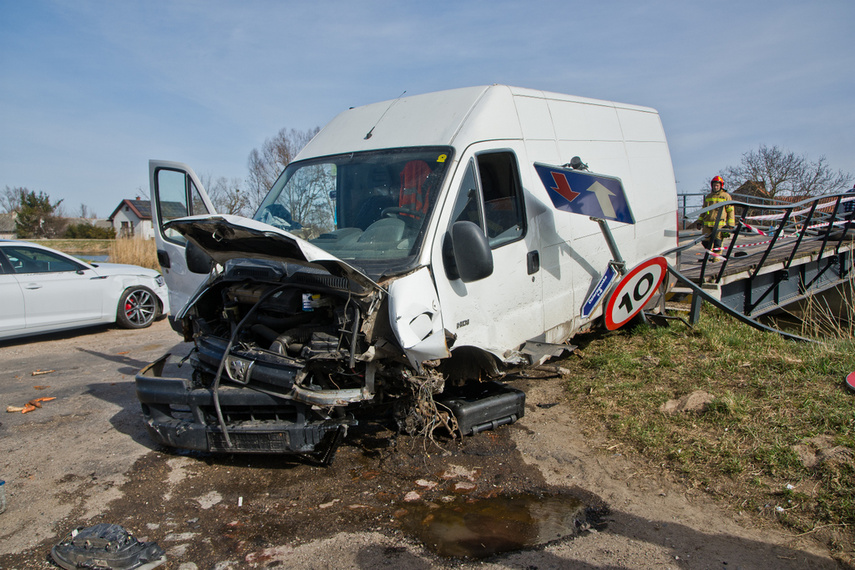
[
  {"x": 584, "y": 193},
  {"x": 597, "y": 294}
]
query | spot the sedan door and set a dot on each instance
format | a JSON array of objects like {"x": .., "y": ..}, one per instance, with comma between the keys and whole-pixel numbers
[
  {"x": 12, "y": 305},
  {"x": 57, "y": 291}
]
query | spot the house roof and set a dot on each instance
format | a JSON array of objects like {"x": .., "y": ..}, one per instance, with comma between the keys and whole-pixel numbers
[
  {"x": 826, "y": 206},
  {"x": 142, "y": 209}
]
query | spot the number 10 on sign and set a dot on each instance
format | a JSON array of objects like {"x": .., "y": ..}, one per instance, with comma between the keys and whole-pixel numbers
[{"x": 634, "y": 291}]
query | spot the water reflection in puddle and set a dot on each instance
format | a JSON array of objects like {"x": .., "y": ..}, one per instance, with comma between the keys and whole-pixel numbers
[{"x": 479, "y": 528}]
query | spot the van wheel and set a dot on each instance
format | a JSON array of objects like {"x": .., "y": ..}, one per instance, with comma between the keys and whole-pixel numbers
[{"x": 137, "y": 309}]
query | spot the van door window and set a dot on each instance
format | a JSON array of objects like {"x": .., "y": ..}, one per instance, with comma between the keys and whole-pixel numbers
[
  {"x": 178, "y": 197},
  {"x": 468, "y": 205},
  {"x": 490, "y": 196}
]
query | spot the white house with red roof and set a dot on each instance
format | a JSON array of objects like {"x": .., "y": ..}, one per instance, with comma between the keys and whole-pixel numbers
[{"x": 132, "y": 218}]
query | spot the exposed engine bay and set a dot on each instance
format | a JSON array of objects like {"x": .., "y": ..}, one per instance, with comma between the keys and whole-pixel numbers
[{"x": 282, "y": 360}]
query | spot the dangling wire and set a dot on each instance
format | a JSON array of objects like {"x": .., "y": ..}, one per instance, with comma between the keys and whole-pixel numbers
[{"x": 216, "y": 386}]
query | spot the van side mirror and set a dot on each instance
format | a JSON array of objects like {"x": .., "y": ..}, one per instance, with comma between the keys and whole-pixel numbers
[
  {"x": 471, "y": 252},
  {"x": 197, "y": 260}
]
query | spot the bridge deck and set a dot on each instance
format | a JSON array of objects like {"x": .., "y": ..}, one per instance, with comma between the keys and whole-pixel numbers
[
  {"x": 759, "y": 276},
  {"x": 749, "y": 252}
]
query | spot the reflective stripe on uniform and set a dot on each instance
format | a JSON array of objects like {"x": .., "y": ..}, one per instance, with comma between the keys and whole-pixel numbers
[{"x": 709, "y": 218}]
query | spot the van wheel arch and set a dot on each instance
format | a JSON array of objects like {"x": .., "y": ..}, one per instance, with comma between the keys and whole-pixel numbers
[{"x": 468, "y": 362}]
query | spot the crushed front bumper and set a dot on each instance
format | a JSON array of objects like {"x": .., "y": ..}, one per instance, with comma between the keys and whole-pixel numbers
[{"x": 181, "y": 416}]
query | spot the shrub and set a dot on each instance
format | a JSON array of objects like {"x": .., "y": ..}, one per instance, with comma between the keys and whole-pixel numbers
[{"x": 87, "y": 231}]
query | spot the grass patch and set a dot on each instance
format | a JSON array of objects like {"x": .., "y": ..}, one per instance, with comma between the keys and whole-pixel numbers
[
  {"x": 77, "y": 246},
  {"x": 778, "y": 437}
]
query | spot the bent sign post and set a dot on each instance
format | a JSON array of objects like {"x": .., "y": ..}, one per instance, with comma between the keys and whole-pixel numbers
[{"x": 634, "y": 291}]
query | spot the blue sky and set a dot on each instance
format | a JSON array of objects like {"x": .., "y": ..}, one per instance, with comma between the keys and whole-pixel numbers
[{"x": 90, "y": 91}]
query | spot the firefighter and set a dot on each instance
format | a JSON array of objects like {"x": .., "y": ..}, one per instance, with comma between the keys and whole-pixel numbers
[{"x": 707, "y": 221}]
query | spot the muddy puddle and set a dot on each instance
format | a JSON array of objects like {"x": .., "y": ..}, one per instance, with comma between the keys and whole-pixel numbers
[{"x": 480, "y": 528}]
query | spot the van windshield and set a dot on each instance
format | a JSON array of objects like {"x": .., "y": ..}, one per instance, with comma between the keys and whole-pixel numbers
[{"x": 369, "y": 208}]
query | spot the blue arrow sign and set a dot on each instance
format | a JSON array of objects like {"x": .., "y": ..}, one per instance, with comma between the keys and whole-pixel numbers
[
  {"x": 584, "y": 193},
  {"x": 597, "y": 294}
]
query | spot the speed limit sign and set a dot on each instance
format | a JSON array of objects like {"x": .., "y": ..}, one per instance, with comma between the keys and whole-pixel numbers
[{"x": 634, "y": 291}]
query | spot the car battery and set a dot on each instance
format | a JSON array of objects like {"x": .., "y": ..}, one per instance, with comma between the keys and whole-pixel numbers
[{"x": 484, "y": 406}]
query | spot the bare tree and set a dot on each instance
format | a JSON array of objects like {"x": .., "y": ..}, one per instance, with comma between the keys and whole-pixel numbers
[
  {"x": 307, "y": 198},
  {"x": 84, "y": 212},
  {"x": 817, "y": 178},
  {"x": 227, "y": 195},
  {"x": 10, "y": 199},
  {"x": 783, "y": 173},
  {"x": 266, "y": 164}
]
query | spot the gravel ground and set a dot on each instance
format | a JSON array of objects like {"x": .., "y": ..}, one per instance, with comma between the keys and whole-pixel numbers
[{"x": 85, "y": 458}]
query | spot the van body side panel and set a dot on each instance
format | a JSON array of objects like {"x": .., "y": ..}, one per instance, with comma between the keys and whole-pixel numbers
[
  {"x": 535, "y": 120},
  {"x": 585, "y": 121},
  {"x": 622, "y": 141}
]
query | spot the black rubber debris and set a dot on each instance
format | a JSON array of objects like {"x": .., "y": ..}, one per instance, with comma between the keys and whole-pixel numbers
[{"x": 108, "y": 547}]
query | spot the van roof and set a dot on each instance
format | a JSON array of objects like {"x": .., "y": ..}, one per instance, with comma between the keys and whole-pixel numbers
[{"x": 457, "y": 117}]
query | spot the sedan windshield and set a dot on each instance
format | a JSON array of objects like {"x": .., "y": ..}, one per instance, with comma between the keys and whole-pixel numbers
[{"x": 369, "y": 208}]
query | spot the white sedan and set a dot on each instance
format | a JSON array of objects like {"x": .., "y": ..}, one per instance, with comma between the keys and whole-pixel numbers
[{"x": 43, "y": 290}]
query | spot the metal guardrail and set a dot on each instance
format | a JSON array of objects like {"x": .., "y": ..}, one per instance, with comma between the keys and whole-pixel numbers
[
  {"x": 824, "y": 220},
  {"x": 699, "y": 293}
]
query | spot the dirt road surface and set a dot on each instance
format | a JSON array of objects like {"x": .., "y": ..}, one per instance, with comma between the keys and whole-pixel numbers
[{"x": 85, "y": 458}]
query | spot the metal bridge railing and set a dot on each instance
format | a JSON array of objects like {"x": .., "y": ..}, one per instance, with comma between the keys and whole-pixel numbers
[{"x": 826, "y": 219}]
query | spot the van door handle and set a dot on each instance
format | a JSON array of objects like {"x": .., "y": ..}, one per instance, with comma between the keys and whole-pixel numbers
[
  {"x": 33, "y": 286},
  {"x": 533, "y": 262}
]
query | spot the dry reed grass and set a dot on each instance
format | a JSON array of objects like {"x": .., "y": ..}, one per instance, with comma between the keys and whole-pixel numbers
[
  {"x": 832, "y": 320},
  {"x": 135, "y": 251},
  {"x": 825, "y": 316}
]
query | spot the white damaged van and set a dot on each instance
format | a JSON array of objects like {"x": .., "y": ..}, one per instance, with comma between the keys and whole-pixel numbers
[{"x": 445, "y": 263}]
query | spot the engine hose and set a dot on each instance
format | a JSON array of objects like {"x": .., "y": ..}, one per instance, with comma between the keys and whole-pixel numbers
[
  {"x": 301, "y": 335},
  {"x": 266, "y": 333}
]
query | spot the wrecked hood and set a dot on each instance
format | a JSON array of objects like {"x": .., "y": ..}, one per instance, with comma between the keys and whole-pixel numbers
[{"x": 226, "y": 237}]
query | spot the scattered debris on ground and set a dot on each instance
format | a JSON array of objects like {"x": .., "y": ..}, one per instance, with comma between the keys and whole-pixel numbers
[{"x": 30, "y": 406}]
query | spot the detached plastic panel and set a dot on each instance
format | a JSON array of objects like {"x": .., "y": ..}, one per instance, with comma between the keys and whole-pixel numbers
[{"x": 485, "y": 406}]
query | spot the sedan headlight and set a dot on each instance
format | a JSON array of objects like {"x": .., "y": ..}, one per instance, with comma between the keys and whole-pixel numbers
[{"x": 159, "y": 280}]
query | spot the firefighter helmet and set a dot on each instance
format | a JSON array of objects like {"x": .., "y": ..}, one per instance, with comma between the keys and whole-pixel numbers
[{"x": 718, "y": 179}]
